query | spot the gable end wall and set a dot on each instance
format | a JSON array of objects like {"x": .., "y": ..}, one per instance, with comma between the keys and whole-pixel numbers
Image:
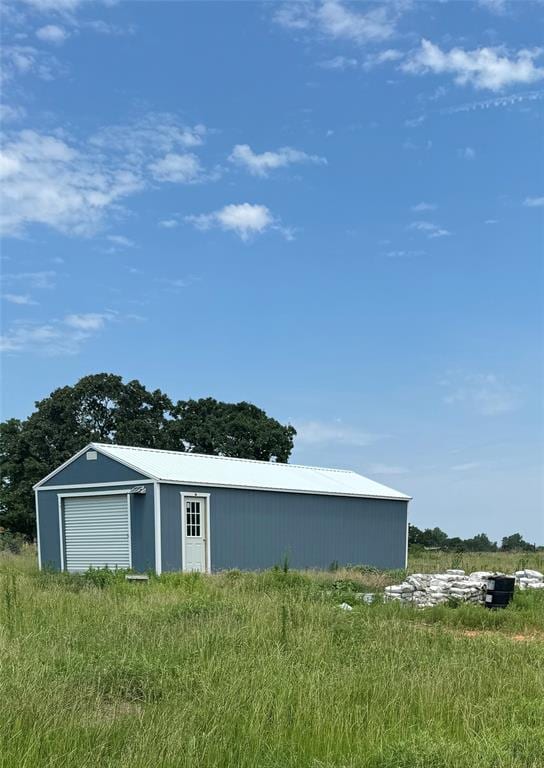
[{"x": 103, "y": 470}]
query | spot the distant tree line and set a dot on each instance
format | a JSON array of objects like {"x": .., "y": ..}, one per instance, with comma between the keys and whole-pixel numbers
[
  {"x": 103, "y": 408},
  {"x": 434, "y": 538}
]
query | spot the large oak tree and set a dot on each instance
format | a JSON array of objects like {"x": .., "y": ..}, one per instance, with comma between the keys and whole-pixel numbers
[{"x": 103, "y": 408}]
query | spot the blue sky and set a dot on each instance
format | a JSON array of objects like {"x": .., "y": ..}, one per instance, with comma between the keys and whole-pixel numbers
[{"x": 332, "y": 210}]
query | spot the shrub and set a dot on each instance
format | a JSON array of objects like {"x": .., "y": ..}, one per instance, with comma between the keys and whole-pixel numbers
[{"x": 12, "y": 542}]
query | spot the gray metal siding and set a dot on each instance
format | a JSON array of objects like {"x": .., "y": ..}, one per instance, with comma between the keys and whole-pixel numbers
[
  {"x": 256, "y": 529},
  {"x": 171, "y": 527},
  {"x": 142, "y": 509},
  {"x": 142, "y": 525},
  {"x": 103, "y": 470}
]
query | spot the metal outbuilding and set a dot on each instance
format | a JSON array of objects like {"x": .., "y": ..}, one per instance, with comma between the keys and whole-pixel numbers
[{"x": 148, "y": 509}]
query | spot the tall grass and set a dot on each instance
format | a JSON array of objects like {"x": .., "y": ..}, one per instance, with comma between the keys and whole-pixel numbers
[
  {"x": 261, "y": 669},
  {"x": 432, "y": 561}
]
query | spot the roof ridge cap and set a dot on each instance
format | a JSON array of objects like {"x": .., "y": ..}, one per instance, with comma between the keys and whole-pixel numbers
[{"x": 227, "y": 458}]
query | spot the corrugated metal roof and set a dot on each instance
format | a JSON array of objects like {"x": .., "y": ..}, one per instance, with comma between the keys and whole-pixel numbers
[{"x": 200, "y": 469}]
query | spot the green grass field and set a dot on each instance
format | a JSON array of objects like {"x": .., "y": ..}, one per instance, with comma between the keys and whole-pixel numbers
[{"x": 264, "y": 670}]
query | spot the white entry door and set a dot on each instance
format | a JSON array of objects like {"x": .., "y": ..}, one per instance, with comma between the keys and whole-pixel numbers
[{"x": 194, "y": 520}]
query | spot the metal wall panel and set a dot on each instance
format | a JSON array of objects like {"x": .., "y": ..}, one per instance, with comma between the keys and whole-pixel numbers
[
  {"x": 257, "y": 529},
  {"x": 142, "y": 526},
  {"x": 96, "y": 532}
]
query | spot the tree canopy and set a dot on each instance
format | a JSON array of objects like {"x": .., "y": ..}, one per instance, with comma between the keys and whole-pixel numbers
[
  {"x": 434, "y": 538},
  {"x": 515, "y": 542},
  {"x": 103, "y": 408},
  {"x": 229, "y": 429}
]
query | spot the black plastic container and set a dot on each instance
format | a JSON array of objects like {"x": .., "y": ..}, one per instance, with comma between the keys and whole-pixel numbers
[
  {"x": 501, "y": 584},
  {"x": 500, "y": 591},
  {"x": 498, "y": 599}
]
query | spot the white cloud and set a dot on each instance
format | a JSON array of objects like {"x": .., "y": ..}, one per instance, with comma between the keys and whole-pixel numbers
[
  {"x": 39, "y": 280},
  {"x": 485, "y": 393},
  {"x": 415, "y": 122},
  {"x": 11, "y": 114},
  {"x": 89, "y": 321},
  {"x": 57, "y": 181},
  {"x": 410, "y": 145},
  {"x": 495, "y": 6},
  {"x": 496, "y": 102},
  {"x": 23, "y": 336},
  {"x": 180, "y": 169},
  {"x": 386, "y": 469},
  {"x": 47, "y": 181},
  {"x": 466, "y": 153},
  {"x": 429, "y": 228},
  {"x": 19, "y": 298},
  {"x": 382, "y": 57},
  {"x": 338, "y": 21},
  {"x": 244, "y": 219},
  {"x": 58, "y": 336},
  {"x": 121, "y": 241},
  {"x": 260, "y": 165},
  {"x": 293, "y": 16},
  {"x": 339, "y": 63},
  {"x": 491, "y": 221},
  {"x": 154, "y": 134},
  {"x": 21, "y": 60},
  {"x": 168, "y": 223},
  {"x": 104, "y": 28},
  {"x": 467, "y": 466},
  {"x": 404, "y": 254},
  {"x": 484, "y": 68},
  {"x": 176, "y": 282},
  {"x": 58, "y": 6},
  {"x": 370, "y": 61},
  {"x": 534, "y": 202},
  {"x": 421, "y": 207},
  {"x": 316, "y": 432},
  {"x": 52, "y": 33}
]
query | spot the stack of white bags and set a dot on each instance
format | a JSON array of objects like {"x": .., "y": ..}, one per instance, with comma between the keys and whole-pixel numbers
[
  {"x": 425, "y": 589},
  {"x": 528, "y": 579}
]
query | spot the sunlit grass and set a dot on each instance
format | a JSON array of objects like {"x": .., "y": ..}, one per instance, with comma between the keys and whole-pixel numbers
[{"x": 263, "y": 669}]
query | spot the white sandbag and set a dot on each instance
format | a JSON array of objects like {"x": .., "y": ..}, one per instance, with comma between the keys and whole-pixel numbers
[
  {"x": 534, "y": 574},
  {"x": 480, "y": 575}
]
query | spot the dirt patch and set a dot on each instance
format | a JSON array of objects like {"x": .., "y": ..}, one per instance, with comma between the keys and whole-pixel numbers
[
  {"x": 108, "y": 712},
  {"x": 519, "y": 638}
]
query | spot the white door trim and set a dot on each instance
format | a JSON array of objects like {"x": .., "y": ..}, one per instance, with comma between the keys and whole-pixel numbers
[
  {"x": 120, "y": 492},
  {"x": 62, "y": 496},
  {"x": 61, "y": 532},
  {"x": 38, "y": 530},
  {"x": 157, "y": 525},
  {"x": 407, "y": 537},
  {"x": 93, "y": 485},
  {"x": 196, "y": 494}
]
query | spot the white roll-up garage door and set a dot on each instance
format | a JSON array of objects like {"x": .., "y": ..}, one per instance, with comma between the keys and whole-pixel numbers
[{"x": 96, "y": 532}]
